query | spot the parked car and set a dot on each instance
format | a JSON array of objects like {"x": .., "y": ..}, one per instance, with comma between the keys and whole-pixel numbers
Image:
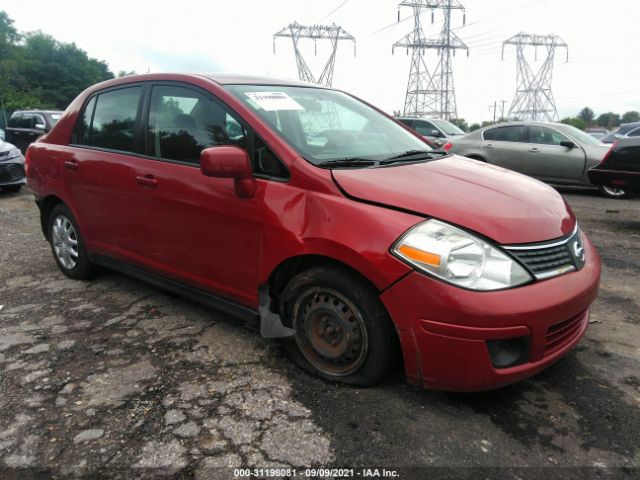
[
  {"x": 551, "y": 152},
  {"x": 620, "y": 168},
  {"x": 12, "y": 175},
  {"x": 24, "y": 127},
  {"x": 597, "y": 133},
  {"x": 351, "y": 249},
  {"x": 433, "y": 129},
  {"x": 625, "y": 130}
]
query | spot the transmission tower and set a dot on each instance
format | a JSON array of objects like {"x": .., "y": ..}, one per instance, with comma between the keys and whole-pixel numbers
[
  {"x": 333, "y": 33},
  {"x": 533, "y": 100},
  {"x": 431, "y": 94}
]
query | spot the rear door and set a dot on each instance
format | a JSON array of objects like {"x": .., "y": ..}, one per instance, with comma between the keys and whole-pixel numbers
[
  {"x": 100, "y": 171},
  {"x": 506, "y": 147},
  {"x": 551, "y": 161}
]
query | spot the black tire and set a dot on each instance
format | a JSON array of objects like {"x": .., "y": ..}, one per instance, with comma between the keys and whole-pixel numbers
[
  {"x": 11, "y": 188},
  {"x": 82, "y": 268},
  {"x": 334, "y": 313},
  {"x": 611, "y": 192}
]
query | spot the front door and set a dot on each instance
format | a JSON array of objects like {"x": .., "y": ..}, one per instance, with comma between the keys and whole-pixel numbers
[
  {"x": 551, "y": 161},
  {"x": 506, "y": 147},
  {"x": 194, "y": 227}
]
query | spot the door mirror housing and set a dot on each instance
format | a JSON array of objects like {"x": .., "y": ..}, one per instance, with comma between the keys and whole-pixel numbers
[
  {"x": 229, "y": 162},
  {"x": 40, "y": 126},
  {"x": 436, "y": 133},
  {"x": 568, "y": 144}
]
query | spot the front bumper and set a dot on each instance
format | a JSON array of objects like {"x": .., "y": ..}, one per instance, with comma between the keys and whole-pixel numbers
[
  {"x": 12, "y": 172},
  {"x": 444, "y": 329}
]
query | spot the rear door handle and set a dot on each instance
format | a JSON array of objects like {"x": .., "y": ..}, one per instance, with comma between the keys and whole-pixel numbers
[
  {"x": 147, "y": 180},
  {"x": 534, "y": 150},
  {"x": 71, "y": 164}
]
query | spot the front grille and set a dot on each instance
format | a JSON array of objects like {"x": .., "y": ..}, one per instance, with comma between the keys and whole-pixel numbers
[
  {"x": 553, "y": 258},
  {"x": 562, "y": 333},
  {"x": 545, "y": 260},
  {"x": 11, "y": 173}
]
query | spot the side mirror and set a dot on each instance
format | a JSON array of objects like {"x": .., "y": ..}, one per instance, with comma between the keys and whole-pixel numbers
[
  {"x": 40, "y": 126},
  {"x": 568, "y": 144},
  {"x": 229, "y": 162},
  {"x": 436, "y": 133}
]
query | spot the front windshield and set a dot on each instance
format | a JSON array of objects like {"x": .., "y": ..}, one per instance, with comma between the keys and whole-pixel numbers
[
  {"x": 326, "y": 125},
  {"x": 448, "y": 128},
  {"x": 582, "y": 137}
]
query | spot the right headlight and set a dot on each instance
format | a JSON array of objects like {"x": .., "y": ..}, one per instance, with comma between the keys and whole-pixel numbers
[
  {"x": 458, "y": 257},
  {"x": 12, "y": 154}
]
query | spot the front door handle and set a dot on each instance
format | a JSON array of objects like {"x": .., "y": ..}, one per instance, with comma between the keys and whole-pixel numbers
[
  {"x": 534, "y": 150},
  {"x": 488, "y": 145},
  {"x": 147, "y": 181},
  {"x": 71, "y": 164}
]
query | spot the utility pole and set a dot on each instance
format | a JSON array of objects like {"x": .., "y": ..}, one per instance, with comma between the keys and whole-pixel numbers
[
  {"x": 502, "y": 111},
  {"x": 533, "y": 99},
  {"x": 494, "y": 108},
  {"x": 431, "y": 94},
  {"x": 333, "y": 33}
]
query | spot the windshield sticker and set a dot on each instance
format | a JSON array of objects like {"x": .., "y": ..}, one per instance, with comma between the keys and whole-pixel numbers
[{"x": 273, "y": 101}]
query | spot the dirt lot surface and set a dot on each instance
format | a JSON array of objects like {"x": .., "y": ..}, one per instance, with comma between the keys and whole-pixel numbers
[{"x": 112, "y": 378}]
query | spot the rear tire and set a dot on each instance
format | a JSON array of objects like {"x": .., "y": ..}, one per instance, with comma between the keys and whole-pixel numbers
[
  {"x": 67, "y": 245},
  {"x": 611, "y": 192},
  {"x": 342, "y": 330}
]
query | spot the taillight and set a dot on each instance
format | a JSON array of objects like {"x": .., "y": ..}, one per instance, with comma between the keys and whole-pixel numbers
[
  {"x": 27, "y": 162},
  {"x": 608, "y": 154},
  {"x": 447, "y": 146}
]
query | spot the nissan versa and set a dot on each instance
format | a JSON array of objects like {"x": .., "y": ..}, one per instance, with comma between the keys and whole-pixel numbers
[{"x": 313, "y": 212}]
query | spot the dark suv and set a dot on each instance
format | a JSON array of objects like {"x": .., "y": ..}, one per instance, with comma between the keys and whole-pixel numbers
[{"x": 25, "y": 127}]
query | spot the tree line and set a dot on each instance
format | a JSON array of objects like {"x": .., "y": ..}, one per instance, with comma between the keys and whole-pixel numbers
[{"x": 38, "y": 71}]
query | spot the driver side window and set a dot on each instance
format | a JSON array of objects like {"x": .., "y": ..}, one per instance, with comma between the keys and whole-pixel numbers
[
  {"x": 545, "y": 136},
  {"x": 183, "y": 122},
  {"x": 425, "y": 128}
]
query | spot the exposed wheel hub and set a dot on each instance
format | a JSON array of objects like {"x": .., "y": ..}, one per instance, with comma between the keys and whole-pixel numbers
[{"x": 330, "y": 332}]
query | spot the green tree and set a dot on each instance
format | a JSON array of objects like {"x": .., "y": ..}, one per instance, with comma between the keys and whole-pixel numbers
[
  {"x": 474, "y": 126},
  {"x": 577, "y": 122},
  {"x": 630, "y": 117},
  {"x": 9, "y": 36},
  {"x": 586, "y": 115},
  {"x": 608, "y": 120},
  {"x": 125, "y": 73},
  {"x": 461, "y": 123}
]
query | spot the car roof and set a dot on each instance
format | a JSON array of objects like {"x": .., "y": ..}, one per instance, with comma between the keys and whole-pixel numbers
[
  {"x": 235, "y": 79},
  {"x": 525, "y": 124}
]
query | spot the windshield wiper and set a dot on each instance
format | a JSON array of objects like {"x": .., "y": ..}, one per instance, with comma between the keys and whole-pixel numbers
[
  {"x": 413, "y": 155},
  {"x": 348, "y": 162}
]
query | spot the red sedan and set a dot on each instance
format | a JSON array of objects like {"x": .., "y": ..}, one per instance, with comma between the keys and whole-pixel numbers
[{"x": 312, "y": 211}]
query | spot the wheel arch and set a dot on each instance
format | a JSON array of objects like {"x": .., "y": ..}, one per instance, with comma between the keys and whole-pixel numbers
[{"x": 47, "y": 205}]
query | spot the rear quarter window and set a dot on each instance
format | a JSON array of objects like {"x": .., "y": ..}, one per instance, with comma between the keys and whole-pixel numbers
[{"x": 108, "y": 120}]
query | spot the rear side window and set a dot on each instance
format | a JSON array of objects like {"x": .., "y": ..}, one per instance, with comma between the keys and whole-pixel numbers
[
  {"x": 183, "y": 122},
  {"x": 112, "y": 123},
  {"x": 506, "y": 134},
  {"x": 81, "y": 134},
  {"x": 14, "y": 121},
  {"x": 634, "y": 133}
]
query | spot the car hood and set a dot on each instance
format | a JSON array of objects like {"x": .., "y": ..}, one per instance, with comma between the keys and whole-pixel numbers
[
  {"x": 502, "y": 205},
  {"x": 6, "y": 146}
]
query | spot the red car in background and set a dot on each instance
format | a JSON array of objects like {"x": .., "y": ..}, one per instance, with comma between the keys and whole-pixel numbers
[{"x": 341, "y": 230}]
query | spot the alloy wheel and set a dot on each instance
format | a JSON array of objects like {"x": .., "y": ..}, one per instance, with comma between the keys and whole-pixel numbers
[{"x": 65, "y": 242}]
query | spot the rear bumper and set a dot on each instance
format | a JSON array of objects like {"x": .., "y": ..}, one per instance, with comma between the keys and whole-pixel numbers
[
  {"x": 629, "y": 181},
  {"x": 444, "y": 329}
]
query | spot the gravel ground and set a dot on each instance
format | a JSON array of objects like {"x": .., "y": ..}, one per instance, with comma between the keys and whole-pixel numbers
[{"x": 112, "y": 378}]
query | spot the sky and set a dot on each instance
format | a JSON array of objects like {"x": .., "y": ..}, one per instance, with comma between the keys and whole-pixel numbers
[{"x": 237, "y": 36}]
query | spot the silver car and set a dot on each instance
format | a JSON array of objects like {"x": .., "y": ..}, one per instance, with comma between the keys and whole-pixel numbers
[{"x": 552, "y": 152}]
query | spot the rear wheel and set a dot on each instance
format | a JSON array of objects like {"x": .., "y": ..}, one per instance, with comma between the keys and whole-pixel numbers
[
  {"x": 67, "y": 244},
  {"x": 611, "y": 192},
  {"x": 342, "y": 330}
]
